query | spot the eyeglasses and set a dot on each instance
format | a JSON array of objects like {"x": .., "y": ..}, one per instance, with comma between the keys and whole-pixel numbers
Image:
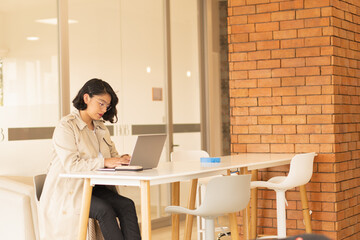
[{"x": 103, "y": 105}]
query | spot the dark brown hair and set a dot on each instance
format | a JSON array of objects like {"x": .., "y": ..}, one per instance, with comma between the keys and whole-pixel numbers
[{"x": 97, "y": 87}]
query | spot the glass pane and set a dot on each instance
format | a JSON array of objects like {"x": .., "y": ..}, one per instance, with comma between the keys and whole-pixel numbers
[
  {"x": 29, "y": 91},
  {"x": 185, "y": 79},
  {"x": 124, "y": 45}
]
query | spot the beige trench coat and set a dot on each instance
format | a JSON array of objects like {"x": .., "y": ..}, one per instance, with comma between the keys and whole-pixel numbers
[{"x": 76, "y": 148}]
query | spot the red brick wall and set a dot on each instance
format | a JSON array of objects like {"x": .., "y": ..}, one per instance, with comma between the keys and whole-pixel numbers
[{"x": 294, "y": 87}]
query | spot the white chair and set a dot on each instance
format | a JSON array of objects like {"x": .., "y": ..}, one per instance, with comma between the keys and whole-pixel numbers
[
  {"x": 301, "y": 170},
  {"x": 195, "y": 155},
  {"x": 94, "y": 231},
  {"x": 225, "y": 194}
]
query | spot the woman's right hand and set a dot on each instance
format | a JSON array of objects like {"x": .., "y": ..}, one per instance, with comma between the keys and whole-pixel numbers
[{"x": 114, "y": 162}]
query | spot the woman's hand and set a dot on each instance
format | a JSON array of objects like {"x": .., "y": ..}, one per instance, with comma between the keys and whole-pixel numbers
[{"x": 114, "y": 162}]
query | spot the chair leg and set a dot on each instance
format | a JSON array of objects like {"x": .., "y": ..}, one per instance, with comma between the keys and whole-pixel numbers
[
  {"x": 209, "y": 229},
  {"x": 281, "y": 214},
  {"x": 200, "y": 220},
  {"x": 305, "y": 209}
]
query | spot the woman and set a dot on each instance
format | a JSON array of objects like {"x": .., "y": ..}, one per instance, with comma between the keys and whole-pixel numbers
[{"x": 82, "y": 142}]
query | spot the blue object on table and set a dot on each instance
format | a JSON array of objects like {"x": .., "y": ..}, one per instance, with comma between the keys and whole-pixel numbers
[{"x": 210, "y": 159}]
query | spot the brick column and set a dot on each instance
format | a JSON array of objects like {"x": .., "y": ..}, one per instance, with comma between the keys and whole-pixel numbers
[{"x": 294, "y": 87}]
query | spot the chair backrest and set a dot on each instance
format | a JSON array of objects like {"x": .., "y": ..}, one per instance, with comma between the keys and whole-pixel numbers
[
  {"x": 188, "y": 155},
  {"x": 301, "y": 170},
  {"x": 39, "y": 184},
  {"x": 225, "y": 194}
]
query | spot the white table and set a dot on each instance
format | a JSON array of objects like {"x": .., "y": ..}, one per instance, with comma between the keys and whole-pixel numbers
[{"x": 173, "y": 172}]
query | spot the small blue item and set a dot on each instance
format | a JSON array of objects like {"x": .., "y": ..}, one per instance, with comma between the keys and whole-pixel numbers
[{"x": 210, "y": 159}]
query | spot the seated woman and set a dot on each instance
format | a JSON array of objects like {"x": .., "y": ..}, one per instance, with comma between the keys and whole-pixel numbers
[{"x": 81, "y": 142}]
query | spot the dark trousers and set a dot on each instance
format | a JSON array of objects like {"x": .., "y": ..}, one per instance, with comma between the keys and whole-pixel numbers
[{"x": 106, "y": 206}]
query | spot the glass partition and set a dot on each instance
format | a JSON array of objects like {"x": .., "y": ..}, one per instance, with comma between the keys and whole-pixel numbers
[{"x": 29, "y": 92}]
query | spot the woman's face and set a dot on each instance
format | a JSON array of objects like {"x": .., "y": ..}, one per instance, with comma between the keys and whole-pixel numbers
[{"x": 97, "y": 105}]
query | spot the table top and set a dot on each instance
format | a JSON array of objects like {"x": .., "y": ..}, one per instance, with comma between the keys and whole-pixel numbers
[{"x": 184, "y": 170}]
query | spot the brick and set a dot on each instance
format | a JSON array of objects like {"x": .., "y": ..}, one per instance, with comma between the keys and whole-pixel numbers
[
  {"x": 292, "y": 43},
  {"x": 284, "y": 91},
  {"x": 326, "y": 11},
  {"x": 271, "y": 7},
  {"x": 308, "y": 129},
  {"x": 318, "y": 61},
  {"x": 284, "y": 34},
  {"x": 284, "y": 129},
  {"x": 243, "y": 10},
  {"x": 327, "y": 148},
  {"x": 282, "y": 110},
  {"x": 308, "y": 109},
  {"x": 269, "y": 101},
  {"x": 265, "y": 45},
  {"x": 316, "y": 4},
  {"x": 305, "y": 148},
  {"x": 297, "y": 119},
  {"x": 256, "y": 18},
  {"x": 293, "y": 81},
  {"x": 244, "y": 47},
  {"x": 234, "y": 3},
  {"x": 235, "y": 57},
  {"x": 260, "y": 73},
  {"x": 283, "y": 15},
  {"x": 239, "y": 93},
  {"x": 316, "y": 119},
  {"x": 283, "y": 72},
  {"x": 234, "y": 75},
  {"x": 238, "y": 111},
  {"x": 238, "y": 20},
  {"x": 260, "y": 129},
  {"x": 239, "y": 148},
  {"x": 246, "y": 120},
  {"x": 317, "y": 22},
  {"x": 323, "y": 138},
  {"x": 245, "y": 28},
  {"x": 283, "y": 53},
  {"x": 317, "y": 41},
  {"x": 259, "y": 55},
  {"x": 296, "y": 4},
  {"x": 266, "y": 27},
  {"x": 298, "y": 138},
  {"x": 268, "y": 64},
  {"x": 244, "y": 65},
  {"x": 242, "y": 37},
  {"x": 296, "y": 100},
  {"x": 258, "y": 148},
  {"x": 246, "y": 102},
  {"x": 272, "y": 139},
  {"x": 321, "y": 99},
  {"x": 244, "y": 83},
  {"x": 282, "y": 148},
  {"x": 307, "y": 71},
  {"x": 308, "y": 13},
  {"x": 308, "y": 52},
  {"x": 293, "y": 62},
  {"x": 249, "y": 138},
  {"x": 260, "y": 92},
  {"x": 260, "y": 36},
  {"x": 309, "y": 32},
  {"x": 260, "y": 111},
  {"x": 240, "y": 129},
  {"x": 269, "y": 119},
  {"x": 308, "y": 90},
  {"x": 292, "y": 24},
  {"x": 269, "y": 82}
]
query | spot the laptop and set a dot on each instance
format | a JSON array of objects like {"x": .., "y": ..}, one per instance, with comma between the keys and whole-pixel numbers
[{"x": 146, "y": 154}]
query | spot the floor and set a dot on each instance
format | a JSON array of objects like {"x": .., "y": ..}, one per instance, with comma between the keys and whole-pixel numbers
[{"x": 164, "y": 233}]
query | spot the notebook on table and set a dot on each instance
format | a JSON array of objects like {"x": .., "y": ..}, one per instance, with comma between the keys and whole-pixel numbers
[{"x": 146, "y": 154}]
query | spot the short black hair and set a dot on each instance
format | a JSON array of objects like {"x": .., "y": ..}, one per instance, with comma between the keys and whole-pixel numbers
[{"x": 93, "y": 87}]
